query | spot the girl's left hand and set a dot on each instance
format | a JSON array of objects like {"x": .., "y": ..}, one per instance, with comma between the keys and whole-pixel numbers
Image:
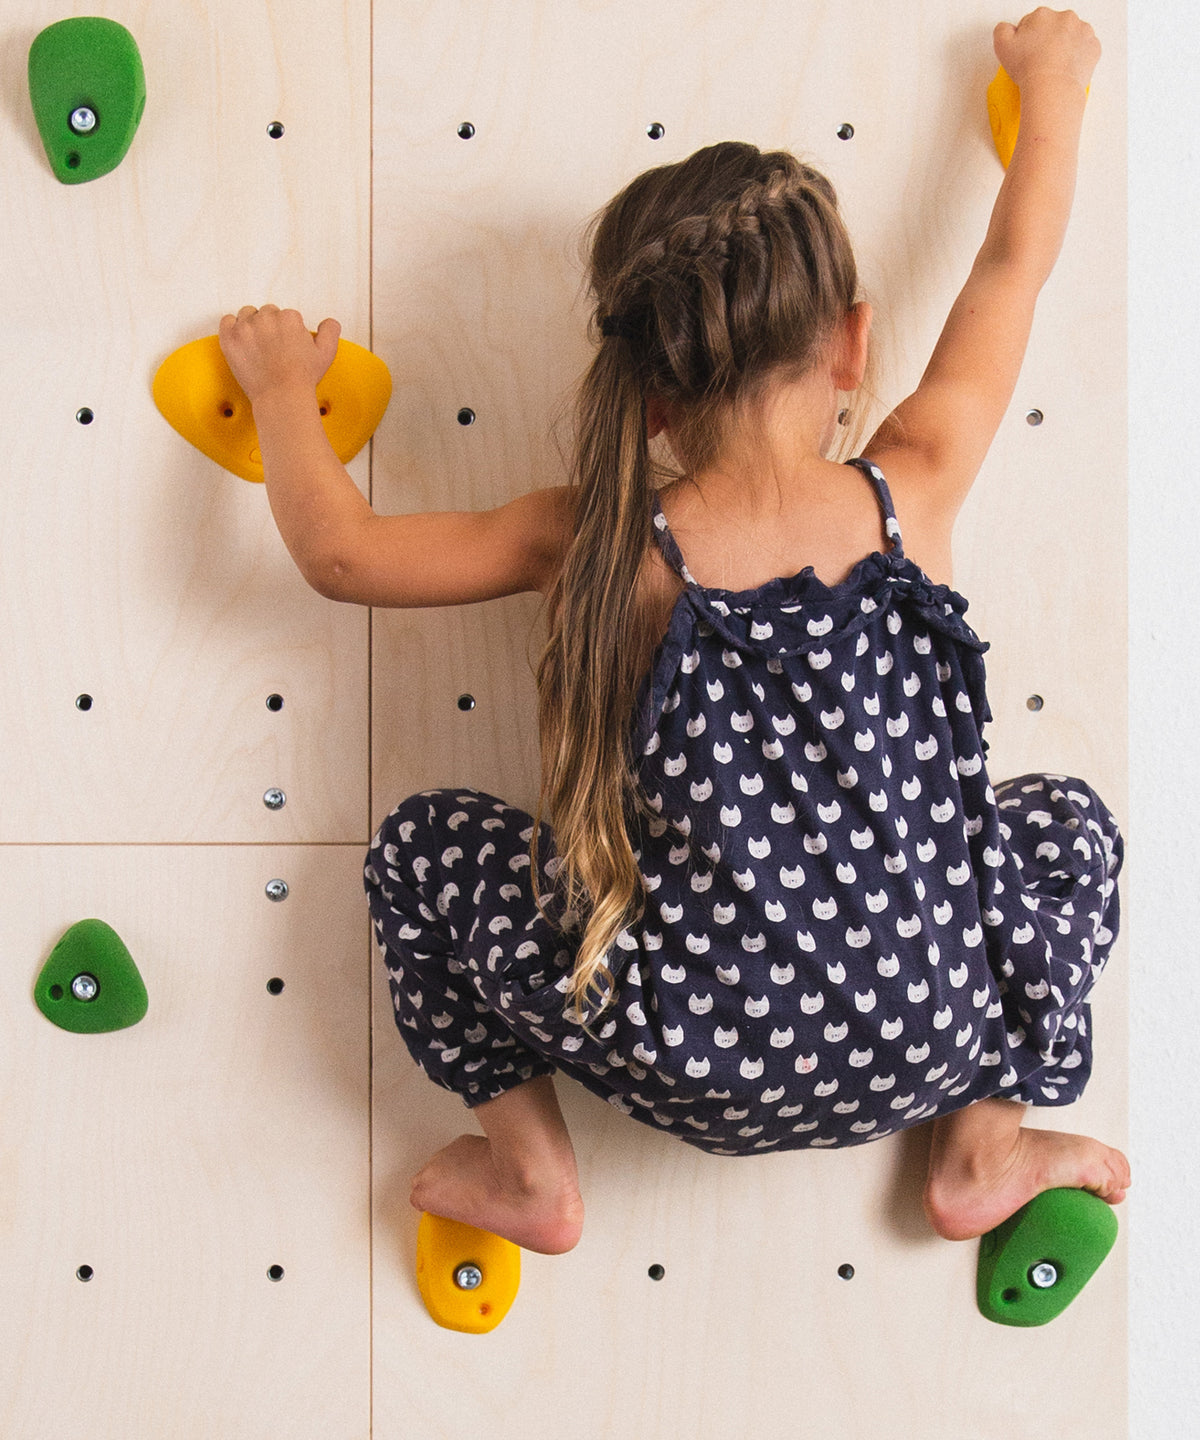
[{"x": 272, "y": 349}]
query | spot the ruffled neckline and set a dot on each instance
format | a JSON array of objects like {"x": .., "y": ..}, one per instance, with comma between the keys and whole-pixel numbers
[{"x": 794, "y": 614}]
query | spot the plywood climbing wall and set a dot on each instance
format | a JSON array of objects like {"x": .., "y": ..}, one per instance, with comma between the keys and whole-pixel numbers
[{"x": 242, "y": 1132}]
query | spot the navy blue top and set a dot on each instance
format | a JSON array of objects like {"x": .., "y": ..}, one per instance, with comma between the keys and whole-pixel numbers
[{"x": 837, "y": 938}]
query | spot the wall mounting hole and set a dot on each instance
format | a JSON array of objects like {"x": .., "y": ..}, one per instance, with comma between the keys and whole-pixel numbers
[
  {"x": 227, "y": 411},
  {"x": 1035, "y": 702},
  {"x": 466, "y": 130},
  {"x": 656, "y": 1272},
  {"x": 275, "y": 1272},
  {"x": 83, "y": 702},
  {"x": 275, "y": 130},
  {"x": 85, "y": 416},
  {"x": 466, "y": 702},
  {"x": 74, "y": 160},
  {"x": 275, "y": 986},
  {"x": 656, "y": 131},
  {"x": 274, "y": 702},
  {"x": 1010, "y": 1297},
  {"x": 57, "y": 992},
  {"x": 845, "y": 132},
  {"x": 1034, "y": 417},
  {"x": 466, "y": 416},
  {"x": 324, "y": 409},
  {"x": 846, "y": 1272},
  {"x": 85, "y": 1273}
]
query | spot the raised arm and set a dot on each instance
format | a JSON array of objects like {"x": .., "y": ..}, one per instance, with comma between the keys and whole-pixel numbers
[
  {"x": 934, "y": 442},
  {"x": 341, "y": 547}
]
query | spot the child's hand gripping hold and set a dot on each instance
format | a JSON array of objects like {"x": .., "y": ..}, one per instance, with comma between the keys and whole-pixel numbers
[
  {"x": 1047, "y": 42},
  {"x": 272, "y": 349}
]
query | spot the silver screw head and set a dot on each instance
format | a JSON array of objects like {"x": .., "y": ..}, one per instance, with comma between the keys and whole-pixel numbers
[
  {"x": 274, "y": 799},
  {"x": 1044, "y": 1275},
  {"x": 277, "y": 890},
  {"x": 85, "y": 987},
  {"x": 468, "y": 1277},
  {"x": 83, "y": 120}
]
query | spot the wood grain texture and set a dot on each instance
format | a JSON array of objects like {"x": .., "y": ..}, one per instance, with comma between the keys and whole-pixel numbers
[
  {"x": 182, "y": 1158},
  {"x": 137, "y": 571}
]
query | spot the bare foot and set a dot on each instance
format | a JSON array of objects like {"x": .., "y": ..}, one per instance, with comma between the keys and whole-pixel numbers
[
  {"x": 539, "y": 1211},
  {"x": 983, "y": 1166}
]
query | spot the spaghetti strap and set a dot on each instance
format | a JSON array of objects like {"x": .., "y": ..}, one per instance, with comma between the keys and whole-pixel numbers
[
  {"x": 674, "y": 556},
  {"x": 670, "y": 546},
  {"x": 891, "y": 525}
]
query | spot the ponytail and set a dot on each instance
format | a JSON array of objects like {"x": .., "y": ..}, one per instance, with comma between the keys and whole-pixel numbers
[{"x": 589, "y": 672}]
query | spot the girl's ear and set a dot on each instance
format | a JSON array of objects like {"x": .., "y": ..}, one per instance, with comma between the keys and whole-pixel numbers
[
  {"x": 850, "y": 347},
  {"x": 657, "y": 419}
]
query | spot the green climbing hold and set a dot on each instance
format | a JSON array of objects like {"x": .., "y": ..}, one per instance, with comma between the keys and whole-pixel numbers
[
  {"x": 88, "y": 90},
  {"x": 1033, "y": 1265},
  {"x": 90, "y": 983}
]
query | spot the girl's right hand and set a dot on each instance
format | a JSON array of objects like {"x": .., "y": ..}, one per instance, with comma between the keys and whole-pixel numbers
[
  {"x": 272, "y": 349},
  {"x": 1046, "y": 41}
]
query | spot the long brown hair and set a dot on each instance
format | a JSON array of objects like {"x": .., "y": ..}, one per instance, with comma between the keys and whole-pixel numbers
[{"x": 711, "y": 277}]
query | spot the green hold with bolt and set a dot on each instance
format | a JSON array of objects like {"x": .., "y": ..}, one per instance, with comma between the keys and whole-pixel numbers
[
  {"x": 1033, "y": 1265},
  {"x": 90, "y": 983},
  {"x": 88, "y": 90}
]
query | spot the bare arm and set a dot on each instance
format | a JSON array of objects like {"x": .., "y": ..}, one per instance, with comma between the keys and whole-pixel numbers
[
  {"x": 934, "y": 442},
  {"x": 341, "y": 547}
]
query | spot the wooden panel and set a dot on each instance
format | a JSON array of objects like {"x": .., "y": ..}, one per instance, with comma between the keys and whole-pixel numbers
[
  {"x": 185, "y": 1156},
  {"x": 136, "y": 571},
  {"x": 477, "y": 279}
]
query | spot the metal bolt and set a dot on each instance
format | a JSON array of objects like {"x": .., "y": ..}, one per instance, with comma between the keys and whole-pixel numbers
[
  {"x": 277, "y": 890},
  {"x": 1044, "y": 1275},
  {"x": 468, "y": 1277},
  {"x": 274, "y": 799},
  {"x": 83, "y": 120},
  {"x": 85, "y": 987}
]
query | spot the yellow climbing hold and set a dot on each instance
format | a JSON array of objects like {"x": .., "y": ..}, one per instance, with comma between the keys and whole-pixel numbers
[
  {"x": 468, "y": 1278},
  {"x": 1004, "y": 112},
  {"x": 197, "y": 395}
]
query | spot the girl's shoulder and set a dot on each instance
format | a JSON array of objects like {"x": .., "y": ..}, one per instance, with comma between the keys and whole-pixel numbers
[{"x": 926, "y": 520}]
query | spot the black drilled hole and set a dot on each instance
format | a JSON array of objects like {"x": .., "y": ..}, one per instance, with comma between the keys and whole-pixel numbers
[
  {"x": 466, "y": 130},
  {"x": 275, "y": 1272},
  {"x": 656, "y": 131},
  {"x": 1010, "y": 1297},
  {"x": 846, "y": 1272},
  {"x": 227, "y": 411},
  {"x": 1035, "y": 702},
  {"x": 275, "y": 986},
  {"x": 275, "y": 130},
  {"x": 84, "y": 1273},
  {"x": 466, "y": 702},
  {"x": 83, "y": 702},
  {"x": 74, "y": 160},
  {"x": 57, "y": 992},
  {"x": 274, "y": 702},
  {"x": 845, "y": 132},
  {"x": 85, "y": 416},
  {"x": 1034, "y": 417},
  {"x": 466, "y": 416},
  {"x": 656, "y": 1272}
]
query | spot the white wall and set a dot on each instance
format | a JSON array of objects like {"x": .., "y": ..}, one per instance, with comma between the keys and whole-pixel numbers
[{"x": 1162, "y": 884}]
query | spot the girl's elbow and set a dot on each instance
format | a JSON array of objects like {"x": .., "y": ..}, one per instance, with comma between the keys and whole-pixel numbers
[{"x": 332, "y": 578}]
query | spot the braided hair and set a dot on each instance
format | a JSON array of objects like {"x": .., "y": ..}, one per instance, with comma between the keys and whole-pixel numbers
[{"x": 712, "y": 278}]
